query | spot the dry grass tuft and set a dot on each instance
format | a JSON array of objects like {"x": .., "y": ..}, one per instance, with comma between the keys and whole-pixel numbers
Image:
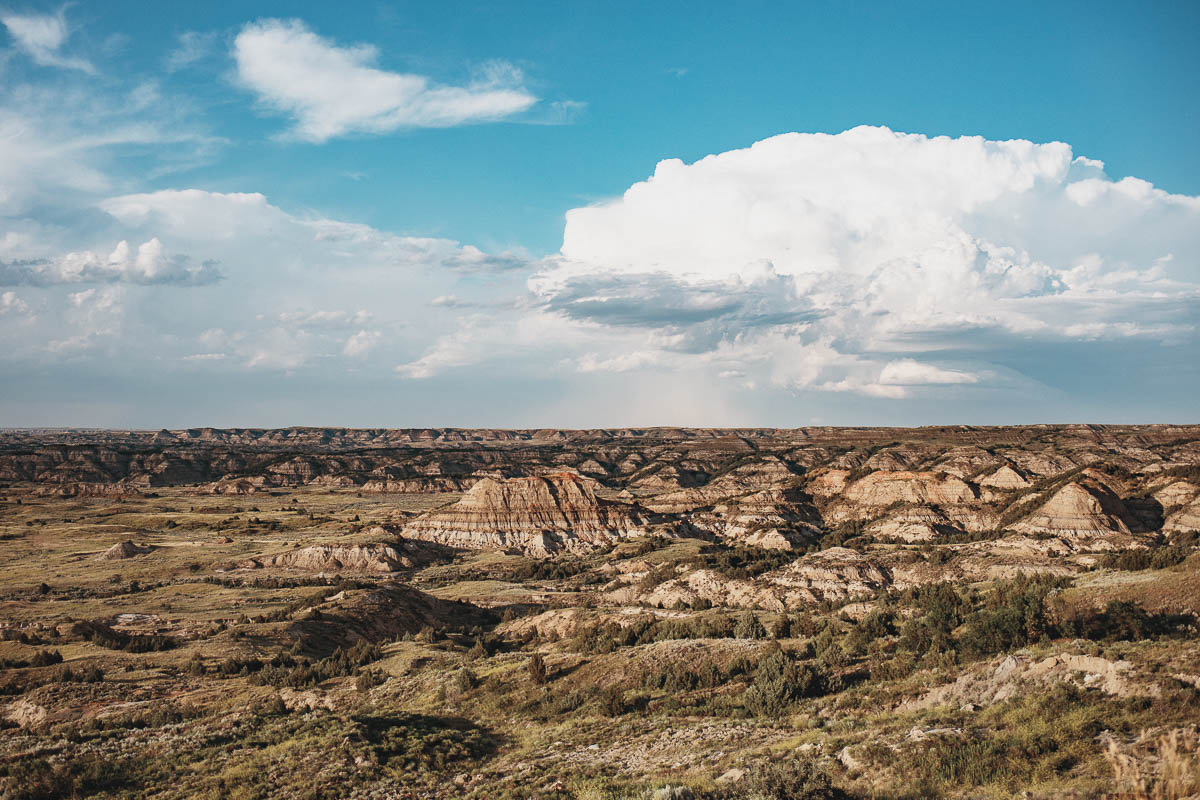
[{"x": 1174, "y": 774}]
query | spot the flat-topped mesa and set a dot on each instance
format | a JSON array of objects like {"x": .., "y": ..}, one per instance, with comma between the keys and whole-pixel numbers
[{"x": 539, "y": 515}]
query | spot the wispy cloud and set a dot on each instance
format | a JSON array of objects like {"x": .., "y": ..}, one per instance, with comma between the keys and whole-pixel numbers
[
  {"x": 191, "y": 47},
  {"x": 335, "y": 91},
  {"x": 41, "y": 37}
]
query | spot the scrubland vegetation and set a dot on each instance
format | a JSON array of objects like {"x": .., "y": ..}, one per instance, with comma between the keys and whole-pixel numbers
[{"x": 199, "y": 667}]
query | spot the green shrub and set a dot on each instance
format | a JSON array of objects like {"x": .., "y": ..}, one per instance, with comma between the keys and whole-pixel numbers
[
  {"x": 740, "y": 562},
  {"x": 779, "y": 681},
  {"x": 102, "y": 634},
  {"x": 416, "y": 742},
  {"x": 1139, "y": 559},
  {"x": 1124, "y": 620},
  {"x": 749, "y": 627}
]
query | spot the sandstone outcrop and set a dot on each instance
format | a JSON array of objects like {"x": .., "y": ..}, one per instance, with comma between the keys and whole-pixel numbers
[
  {"x": 880, "y": 489},
  {"x": 1013, "y": 674},
  {"x": 837, "y": 573},
  {"x": 239, "y": 486},
  {"x": 1176, "y": 494},
  {"x": 1084, "y": 511},
  {"x": 1005, "y": 478},
  {"x": 87, "y": 490},
  {"x": 913, "y": 524},
  {"x": 422, "y": 485},
  {"x": 828, "y": 483},
  {"x": 538, "y": 515}
]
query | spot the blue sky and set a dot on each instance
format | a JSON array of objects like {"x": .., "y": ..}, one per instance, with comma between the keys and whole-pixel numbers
[{"x": 443, "y": 265}]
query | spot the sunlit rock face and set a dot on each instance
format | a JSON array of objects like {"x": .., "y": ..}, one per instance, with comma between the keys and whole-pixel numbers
[{"x": 537, "y": 515}]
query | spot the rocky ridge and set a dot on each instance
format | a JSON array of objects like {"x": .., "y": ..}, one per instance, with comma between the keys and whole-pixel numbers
[
  {"x": 1082, "y": 488},
  {"x": 536, "y": 515}
]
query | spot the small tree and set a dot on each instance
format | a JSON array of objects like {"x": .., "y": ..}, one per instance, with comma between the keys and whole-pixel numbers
[
  {"x": 537, "y": 670},
  {"x": 478, "y": 651},
  {"x": 749, "y": 627}
]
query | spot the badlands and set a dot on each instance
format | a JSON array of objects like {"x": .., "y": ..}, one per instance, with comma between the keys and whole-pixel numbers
[{"x": 659, "y": 613}]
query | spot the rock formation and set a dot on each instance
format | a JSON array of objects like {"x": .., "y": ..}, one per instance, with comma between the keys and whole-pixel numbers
[
  {"x": 912, "y": 524},
  {"x": 837, "y": 573},
  {"x": 1184, "y": 519},
  {"x": 880, "y": 489},
  {"x": 1081, "y": 510},
  {"x": 123, "y": 550},
  {"x": 87, "y": 490},
  {"x": 771, "y": 518},
  {"x": 1005, "y": 478},
  {"x": 537, "y": 515},
  {"x": 378, "y": 615},
  {"x": 780, "y": 488},
  {"x": 333, "y": 558},
  {"x": 765, "y": 473}
]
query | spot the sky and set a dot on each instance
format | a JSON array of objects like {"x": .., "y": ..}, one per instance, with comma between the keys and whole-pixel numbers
[{"x": 598, "y": 214}]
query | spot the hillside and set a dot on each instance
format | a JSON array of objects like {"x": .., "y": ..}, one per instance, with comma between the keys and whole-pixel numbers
[{"x": 670, "y": 613}]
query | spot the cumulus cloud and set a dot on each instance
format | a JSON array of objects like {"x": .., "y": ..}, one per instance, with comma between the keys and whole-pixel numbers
[
  {"x": 334, "y": 91},
  {"x": 828, "y": 261},
  {"x": 41, "y": 36},
  {"x": 148, "y": 264},
  {"x": 852, "y": 277}
]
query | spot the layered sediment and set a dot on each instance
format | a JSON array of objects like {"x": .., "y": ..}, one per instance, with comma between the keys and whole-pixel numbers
[{"x": 537, "y": 515}]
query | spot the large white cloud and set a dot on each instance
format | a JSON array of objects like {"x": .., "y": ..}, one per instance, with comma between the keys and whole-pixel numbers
[
  {"x": 820, "y": 258},
  {"x": 868, "y": 276},
  {"x": 332, "y": 91}
]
